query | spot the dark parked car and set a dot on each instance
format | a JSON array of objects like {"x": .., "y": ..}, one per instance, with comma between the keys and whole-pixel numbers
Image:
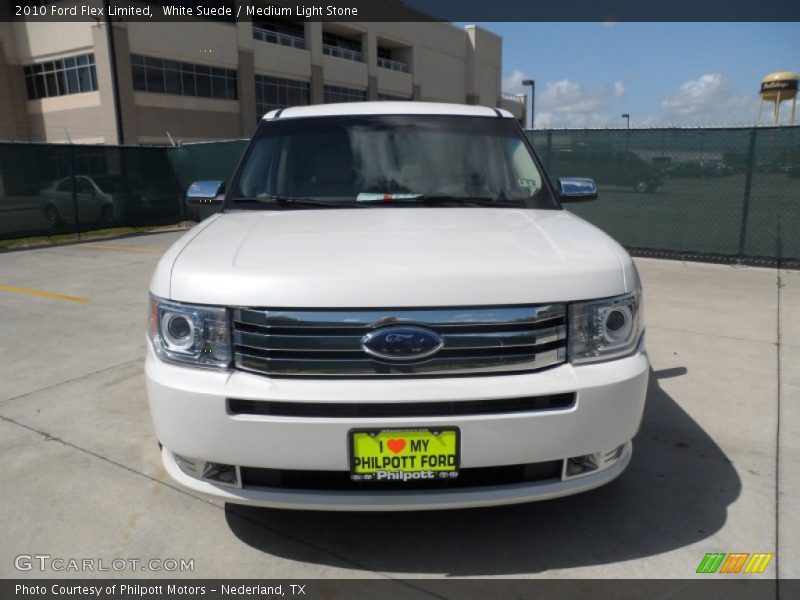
[
  {"x": 700, "y": 168},
  {"x": 622, "y": 168}
]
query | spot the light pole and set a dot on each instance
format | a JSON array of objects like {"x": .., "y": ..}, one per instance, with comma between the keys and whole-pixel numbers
[
  {"x": 112, "y": 57},
  {"x": 531, "y": 83},
  {"x": 628, "y": 118}
]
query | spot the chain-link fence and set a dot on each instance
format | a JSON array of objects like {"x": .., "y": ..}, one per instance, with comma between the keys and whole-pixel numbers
[
  {"x": 704, "y": 193},
  {"x": 689, "y": 192}
]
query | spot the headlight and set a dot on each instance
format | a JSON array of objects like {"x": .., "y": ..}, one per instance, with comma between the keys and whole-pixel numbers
[
  {"x": 190, "y": 335},
  {"x": 605, "y": 329}
]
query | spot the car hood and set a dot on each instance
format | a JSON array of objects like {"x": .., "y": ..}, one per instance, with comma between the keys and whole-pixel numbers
[{"x": 393, "y": 257}]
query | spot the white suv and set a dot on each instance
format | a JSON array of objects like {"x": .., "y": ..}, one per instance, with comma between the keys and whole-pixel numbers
[{"x": 392, "y": 311}]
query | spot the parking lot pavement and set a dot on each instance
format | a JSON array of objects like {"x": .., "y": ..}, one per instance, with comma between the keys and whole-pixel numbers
[{"x": 714, "y": 467}]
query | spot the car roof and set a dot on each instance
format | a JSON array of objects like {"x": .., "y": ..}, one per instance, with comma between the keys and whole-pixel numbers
[{"x": 386, "y": 108}]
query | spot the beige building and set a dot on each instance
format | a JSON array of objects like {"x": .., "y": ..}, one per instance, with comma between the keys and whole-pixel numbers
[{"x": 205, "y": 79}]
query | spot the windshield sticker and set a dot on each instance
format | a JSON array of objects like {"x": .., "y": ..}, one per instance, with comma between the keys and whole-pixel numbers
[{"x": 371, "y": 197}]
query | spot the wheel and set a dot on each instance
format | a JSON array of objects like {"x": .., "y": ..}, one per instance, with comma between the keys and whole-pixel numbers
[
  {"x": 52, "y": 216},
  {"x": 642, "y": 186}
]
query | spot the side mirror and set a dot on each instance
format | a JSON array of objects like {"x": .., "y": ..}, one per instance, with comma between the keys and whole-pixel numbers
[
  {"x": 577, "y": 189},
  {"x": 205, "y": 193}
]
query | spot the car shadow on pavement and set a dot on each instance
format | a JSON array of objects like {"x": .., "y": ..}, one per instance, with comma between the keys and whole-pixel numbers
[{"x": 674, "y": 493}]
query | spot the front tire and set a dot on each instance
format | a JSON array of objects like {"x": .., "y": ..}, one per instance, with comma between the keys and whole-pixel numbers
[{"x": 52, "y": 216}]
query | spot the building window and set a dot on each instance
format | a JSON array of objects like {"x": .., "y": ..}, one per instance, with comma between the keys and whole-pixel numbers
[
  {"x": 276, "y": 92},
  {"x": 284, "y": 33},
  {"x": 382, "y": 96},
  {"x": 335, "y": 93},
  {"x": 341, "y": 47},
  {"x": 163, "y": 76},
  {"x": 72, "y": 75}
]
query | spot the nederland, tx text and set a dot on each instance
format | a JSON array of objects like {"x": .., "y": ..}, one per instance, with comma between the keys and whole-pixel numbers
[{"x": 146, "y": 591}]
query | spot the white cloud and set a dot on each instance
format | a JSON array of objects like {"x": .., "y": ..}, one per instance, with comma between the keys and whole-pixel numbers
[
  {"x": 710, "y": 99},
  {"x": 567, "y": 97},
  {"x": 549, "y": 120},
  {"x": 568, "y": 104},
  {"x": 513, "y": 83}
]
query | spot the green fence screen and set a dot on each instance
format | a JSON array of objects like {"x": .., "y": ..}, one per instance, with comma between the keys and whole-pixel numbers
[
  {"x": 48, "y": 189},
  {"x": 212, "y": 160},
  {"x": 705, "y": 192},
  {"x": 732, "y": 192}
]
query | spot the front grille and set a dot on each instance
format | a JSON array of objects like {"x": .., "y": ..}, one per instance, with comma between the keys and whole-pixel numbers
[
  {"x": 340, "y": 480},
  {"x": 377, "y": 410},
  {"x": 327, "y": 343}
]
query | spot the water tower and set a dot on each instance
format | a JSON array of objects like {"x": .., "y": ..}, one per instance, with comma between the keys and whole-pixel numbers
[{"x": 776, "y": 88}]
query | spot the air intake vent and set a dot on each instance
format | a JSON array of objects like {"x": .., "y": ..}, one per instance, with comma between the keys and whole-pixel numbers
[
  {"x": 340, "y": 480},
  {"x": 379, "y": 410}
]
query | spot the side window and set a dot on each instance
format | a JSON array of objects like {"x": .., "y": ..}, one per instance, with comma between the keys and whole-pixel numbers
[
  {"x": 65, "y": 186},
  {"x": 633, "y": 160},
  {"x": 84, "y": 186},
  {"x": 258, "y": 177}
]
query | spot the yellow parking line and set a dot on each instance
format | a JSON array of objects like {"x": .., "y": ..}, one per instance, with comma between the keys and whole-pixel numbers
[
  {"x": 43, "y": 294},
  {"x": 140, "y": 249}
]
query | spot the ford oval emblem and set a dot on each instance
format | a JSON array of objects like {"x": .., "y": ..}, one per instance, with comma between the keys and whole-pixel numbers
[{"x": 402, "y": 343}]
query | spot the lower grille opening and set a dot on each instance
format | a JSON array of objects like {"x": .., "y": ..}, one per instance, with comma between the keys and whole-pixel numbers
[
  {"x": 340, "y": 480},
  {"x": 400, "y": 409}
]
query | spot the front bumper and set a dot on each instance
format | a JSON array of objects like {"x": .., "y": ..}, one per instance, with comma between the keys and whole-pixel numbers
[{"x": 190, "y": 413}]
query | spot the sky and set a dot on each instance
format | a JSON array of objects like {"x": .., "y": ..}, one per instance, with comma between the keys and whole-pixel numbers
[{"x": 662, "y": 74}]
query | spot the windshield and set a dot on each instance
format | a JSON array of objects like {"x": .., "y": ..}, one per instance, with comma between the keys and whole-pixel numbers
[{"x": 389, "y": 160}]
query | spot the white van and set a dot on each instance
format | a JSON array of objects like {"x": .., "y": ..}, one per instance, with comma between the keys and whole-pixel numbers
[{"x": 393, "y": 311}]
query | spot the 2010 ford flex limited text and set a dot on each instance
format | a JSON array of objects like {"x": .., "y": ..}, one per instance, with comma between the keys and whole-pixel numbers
[{"x": 392, "y": 311}]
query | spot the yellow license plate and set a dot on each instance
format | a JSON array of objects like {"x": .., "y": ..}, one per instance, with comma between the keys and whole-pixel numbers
[{"x": 404, "y": 454}]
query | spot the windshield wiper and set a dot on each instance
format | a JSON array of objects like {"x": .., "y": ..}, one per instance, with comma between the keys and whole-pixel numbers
[
  {"x": 293, "y": 200},
  {"x": 407, "y": 200},
  {"x": 442, "y": 199}
]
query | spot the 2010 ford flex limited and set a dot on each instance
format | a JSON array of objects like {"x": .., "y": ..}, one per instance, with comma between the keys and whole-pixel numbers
[{"x": 392, "y": 311}]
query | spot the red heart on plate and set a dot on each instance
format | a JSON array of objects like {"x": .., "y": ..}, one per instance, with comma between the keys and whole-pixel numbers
[{"x": 396, "y": 446}]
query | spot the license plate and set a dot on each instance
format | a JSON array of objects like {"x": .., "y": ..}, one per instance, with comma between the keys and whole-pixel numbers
[{"x": 404, "y": 454}]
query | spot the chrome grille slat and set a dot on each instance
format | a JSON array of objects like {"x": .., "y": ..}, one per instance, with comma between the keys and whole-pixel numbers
[
  {"x": 299, "y": 343},
  {"x": 378, "y": 317},
  {"x": 352, "y": 343},
  {"x": 512, "y": 339},
  {"x": 341, "y": 367},
  {"x": 327, "y": 343}
]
